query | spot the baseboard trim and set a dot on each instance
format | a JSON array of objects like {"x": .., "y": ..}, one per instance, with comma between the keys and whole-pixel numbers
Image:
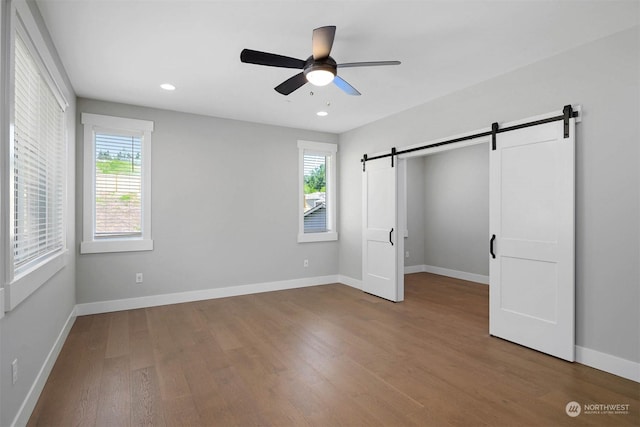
[
  {"x": 350, "y": 281},
  {"x": 205, "y": 294},
  {"x": 462, "y": 275},
  {"x": 608, "y": 363},
  {"x": 30, "y": 401},
  {"x": 411, "y": 269}
]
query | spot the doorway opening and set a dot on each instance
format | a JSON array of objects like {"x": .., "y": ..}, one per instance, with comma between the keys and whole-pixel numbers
[
  {"x": 446, "y": 206},
  {"x": 443, "y": 208}
]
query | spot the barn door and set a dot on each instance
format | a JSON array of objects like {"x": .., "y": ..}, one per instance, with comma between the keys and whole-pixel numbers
[
  {"x": 532, "y": 238},
  {"x": 380, "y": 229}
]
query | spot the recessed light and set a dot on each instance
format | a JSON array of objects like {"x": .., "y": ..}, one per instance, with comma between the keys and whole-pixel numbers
[
  {"x": 167, "y": 86},
  {"x": 322, "y": 113}
]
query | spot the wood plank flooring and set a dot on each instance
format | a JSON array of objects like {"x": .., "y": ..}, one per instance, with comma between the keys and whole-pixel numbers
[{"x": 324, "y": 356}]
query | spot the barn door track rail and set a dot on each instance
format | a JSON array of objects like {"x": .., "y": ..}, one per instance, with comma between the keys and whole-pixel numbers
[{"x": 567, "y": 114}]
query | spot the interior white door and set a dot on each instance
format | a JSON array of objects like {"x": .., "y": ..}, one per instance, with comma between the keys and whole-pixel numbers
[
  {"x": 531, "y": 266},
  {"x": 380, "y": 229}
]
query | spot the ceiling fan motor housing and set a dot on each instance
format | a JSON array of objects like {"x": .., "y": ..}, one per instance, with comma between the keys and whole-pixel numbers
[{"x": 325, "y": 64}]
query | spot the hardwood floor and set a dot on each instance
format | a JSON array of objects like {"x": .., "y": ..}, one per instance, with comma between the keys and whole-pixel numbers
[{"x": 327, "y": 356}]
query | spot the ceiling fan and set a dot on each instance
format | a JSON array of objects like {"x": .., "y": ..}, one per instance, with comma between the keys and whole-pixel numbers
[{"x": 319, "y": 69}]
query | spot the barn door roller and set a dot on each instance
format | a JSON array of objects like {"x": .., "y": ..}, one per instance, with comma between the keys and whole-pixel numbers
[{"x": 567, "y": 115}]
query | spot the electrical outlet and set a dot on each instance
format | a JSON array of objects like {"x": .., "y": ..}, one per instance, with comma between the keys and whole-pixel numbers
[
  {"x": 14, "y": 371},
  {"x": 306, "y": 263},
  {"x": 406, "y": 254},
  {"x": 138, "y": 277}
]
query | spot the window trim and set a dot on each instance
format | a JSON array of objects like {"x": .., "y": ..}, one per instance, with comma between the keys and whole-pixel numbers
[
  {"x": 18, "y": 287},
  {"x": 119, "y": 125},
  {"x": 330, "y": 151}
]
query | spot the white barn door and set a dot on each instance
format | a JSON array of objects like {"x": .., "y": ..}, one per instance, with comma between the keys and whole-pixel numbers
[
  {"x": 380, "y": 229},
  {"x": 531, "y": 268}
]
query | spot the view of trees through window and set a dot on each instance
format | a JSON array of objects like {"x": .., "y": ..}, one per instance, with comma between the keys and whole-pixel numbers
[
  {"x": 315, "y": 182},
  {"x": 118, "y": 181},
  {"x": 315, "y": 189}
]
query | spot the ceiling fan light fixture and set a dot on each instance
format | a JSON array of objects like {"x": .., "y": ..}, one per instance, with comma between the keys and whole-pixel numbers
[
  {"x": 319, "y": 69},
  {"x": 320, "y": 76}
]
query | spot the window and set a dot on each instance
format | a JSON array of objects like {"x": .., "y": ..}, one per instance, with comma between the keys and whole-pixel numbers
[
  {"x": 117, "y": 184},
  {"x": 317, "y": 177},
  {"x": 38, "y": 165},
  {"x": 34, "y": 151}
]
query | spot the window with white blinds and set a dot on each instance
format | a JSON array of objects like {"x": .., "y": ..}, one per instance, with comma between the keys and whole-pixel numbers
[
  {"x": 117, "y": 184},
  {"x": 38, "y": 165},
  {"x": 317, "y": 179}
]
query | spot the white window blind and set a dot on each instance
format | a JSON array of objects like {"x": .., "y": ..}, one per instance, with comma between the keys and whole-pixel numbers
[
  {"x": 38, "y": 165},
  {"x": 118, "y": 185}
]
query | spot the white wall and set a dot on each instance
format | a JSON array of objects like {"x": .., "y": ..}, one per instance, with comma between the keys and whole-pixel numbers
[
  {"x": 602, "y": 76},
  {"x": 32, "y": 330},
  {"x": 224, "y": 209}
]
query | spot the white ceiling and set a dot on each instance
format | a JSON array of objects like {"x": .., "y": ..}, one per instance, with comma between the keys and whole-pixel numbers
[{"x": 123, "y": 50}]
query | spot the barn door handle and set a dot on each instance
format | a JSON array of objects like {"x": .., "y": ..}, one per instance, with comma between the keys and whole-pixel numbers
[
  {"x": 390, "y": 232},
  {"x": 493, "y": 255}
]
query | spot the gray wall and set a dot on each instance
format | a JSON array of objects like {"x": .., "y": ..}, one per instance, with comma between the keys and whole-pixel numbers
[
  {"x": 29, "y": 331},
  {"x": 414, "y": 243},
  {"x": 456, "y": 185},
  {"x": 602, "y": 76},
  {"x": 224, "y": 209}
]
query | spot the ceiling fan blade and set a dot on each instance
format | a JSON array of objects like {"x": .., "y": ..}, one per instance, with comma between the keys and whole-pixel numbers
[
  {"x": 323, "y": 41},
  {"x": 346, "y": 87},
  {"x": 270, "y": 59},
  {"x": 368, "y": 64},
  {"x": 288, "y": 86}
]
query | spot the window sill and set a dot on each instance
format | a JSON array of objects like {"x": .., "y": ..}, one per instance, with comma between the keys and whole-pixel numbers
[
  {"x": 115, "y": 245},
  {"x": 317, "y": 237},
  {"x": 29, "y": 281}
]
